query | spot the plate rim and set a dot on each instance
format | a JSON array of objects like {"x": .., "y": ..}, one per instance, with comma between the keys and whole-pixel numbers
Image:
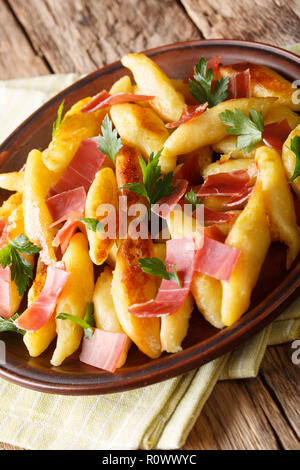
[{"x": 226, "y": 339}]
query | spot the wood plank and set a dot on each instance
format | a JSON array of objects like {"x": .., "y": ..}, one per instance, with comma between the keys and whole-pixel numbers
[
  {"x": 17, "y": 58},
  {"x": 82, "y": 35},
  {"x": 249, "y": 414},
  {"x": 282, "y": 378},
  {"x": 272, "y": 21},
  {"x": 231, "y": 420}
]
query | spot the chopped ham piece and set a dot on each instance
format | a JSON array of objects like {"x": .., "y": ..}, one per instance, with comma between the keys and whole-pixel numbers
[
  {"x": 214, "y": 217},
  {"x": 42, "y": 309},
  {"x": 216, "y": 259},
  {"x": 239, "y": 199},
  {"x": 167, "y": 204},
  {"x": 64, "y": 235},
  {"x": 64, "y": 204},
  {"x": 170, "y": 297},
  {"x": 190, "y": 171},
  {"x": 189, "y": 112},
  {"x": 103, "y": 350},
  {"x": 240, "y": 85},
  {"x": 275, "y": 134},
  {"x": 5, "y": 283},
  {"x": 225, "y": 184},
  {"x": 108, "y": 100},
  {"x": 97, "y": 99},
  {"x": 82, "y": 169}
]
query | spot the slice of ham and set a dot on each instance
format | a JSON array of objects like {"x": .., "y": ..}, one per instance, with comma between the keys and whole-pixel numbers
[
  {"x": 276, "y": 133},
  {"x": 214, "y": 217},
  {"x": 167, "y": 204},
  {"x": 64, "y": 235},
  {"x": 42, "y": 309},
  {"x": 239, "y": 199},
  {"x": 97, "y": 99},
  {"x": 189, "y": 112},
  {"x": 225, "y": 184},
  {"x": 170, "y": 297},
  {"x": 82, "y": 168},
  {"x": 106, "y": 100},
  {"x": 103, "y": 350},
  {"x": 240, "y": 85},
  {"x": 216, "y": 259},
  {"x": 5, "y": 293},
  {"x": 66, "y": 203}
]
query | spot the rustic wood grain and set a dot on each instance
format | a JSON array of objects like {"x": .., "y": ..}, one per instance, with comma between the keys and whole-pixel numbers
[
  {"x": 81, "y": 35},
  {"x": 248, "y": 414},
  {"x": 17, "y": 58},
  {"x": 282, "y": 378},
  {"x": 231, "y": 420},
  {"x": 272, "y": 21}
]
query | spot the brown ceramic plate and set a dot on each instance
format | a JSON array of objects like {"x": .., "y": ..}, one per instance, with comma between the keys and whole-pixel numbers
[{"x": 274, "y": 290}]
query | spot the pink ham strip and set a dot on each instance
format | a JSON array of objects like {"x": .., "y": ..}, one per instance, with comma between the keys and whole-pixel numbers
[
  {"x": 109, "y": 100},
  {"x": 240, "y": 85},
  {"x": 95, "y": 101},
  {"x": 103, "y": 350},
  {"x": 64, "y": 235},
  {"x": 214, "y": 217},
  {"x": 166, "y": 204},
  {"x": 42, "y": 309},
  {"x": 82, "y": 169},
  {"x": 225, "y": 184},
  {"x": 189, "y": 112},
  {"x": 5, "y": 283},
  {"x": 240, "y": 198},
  {"x": 170, "y": 297},
  {"x": 216, "y": 259},
  {"x": 63, "y": 204}
]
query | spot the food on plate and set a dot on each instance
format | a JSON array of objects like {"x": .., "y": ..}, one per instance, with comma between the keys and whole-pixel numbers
[{"x": 156, "y": 200}]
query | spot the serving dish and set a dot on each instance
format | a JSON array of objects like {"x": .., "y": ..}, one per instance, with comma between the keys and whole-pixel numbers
[{"x": 275, "y": 288}]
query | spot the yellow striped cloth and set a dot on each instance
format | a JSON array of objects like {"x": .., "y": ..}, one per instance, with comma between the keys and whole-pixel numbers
[{"x": 158, "y": 416}]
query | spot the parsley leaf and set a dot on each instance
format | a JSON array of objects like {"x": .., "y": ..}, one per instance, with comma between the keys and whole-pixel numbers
[
  {"x": 8, "y": 325},
  {"x": 109, "y": 143},
  {"x": 92, "y": 224},
  {"x": 24, "y": 245},
  {"x": 201, "y": 88},
  {"x": 155, "y": 185},
  {"x": 57, "y": 123},
  {"x": 249, "y": 129},
  {"x": 295, "y": 148},
  {"x": 87, "y": 323},
  {"x": 156, "y": 267},
  {"x": 191, "y": 198},
  {"x": 20, "y": 270}
]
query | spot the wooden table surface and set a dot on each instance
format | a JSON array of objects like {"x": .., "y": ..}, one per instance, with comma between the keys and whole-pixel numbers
[{"x": 42, "y": 36}]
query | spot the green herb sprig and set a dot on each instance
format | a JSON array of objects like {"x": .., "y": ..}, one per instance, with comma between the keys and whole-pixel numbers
[
  {"x": 191, "y": 198},
  {"x": 155, "y": 186},
  {"x": 201, "y": 88},
  {"x": 21, "y": 269},
  {"x": 156, "y": 267},
  {"x": 92, "y": 224},
  {"x": 57, "y": 123},
  {"x": 8, "y": 325},
  {"x": 109, "y": 143},
  {"x": 87, "y": 323},
  {"x": 295, "y": 148},
  {"x": 249, "y": 129}
]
